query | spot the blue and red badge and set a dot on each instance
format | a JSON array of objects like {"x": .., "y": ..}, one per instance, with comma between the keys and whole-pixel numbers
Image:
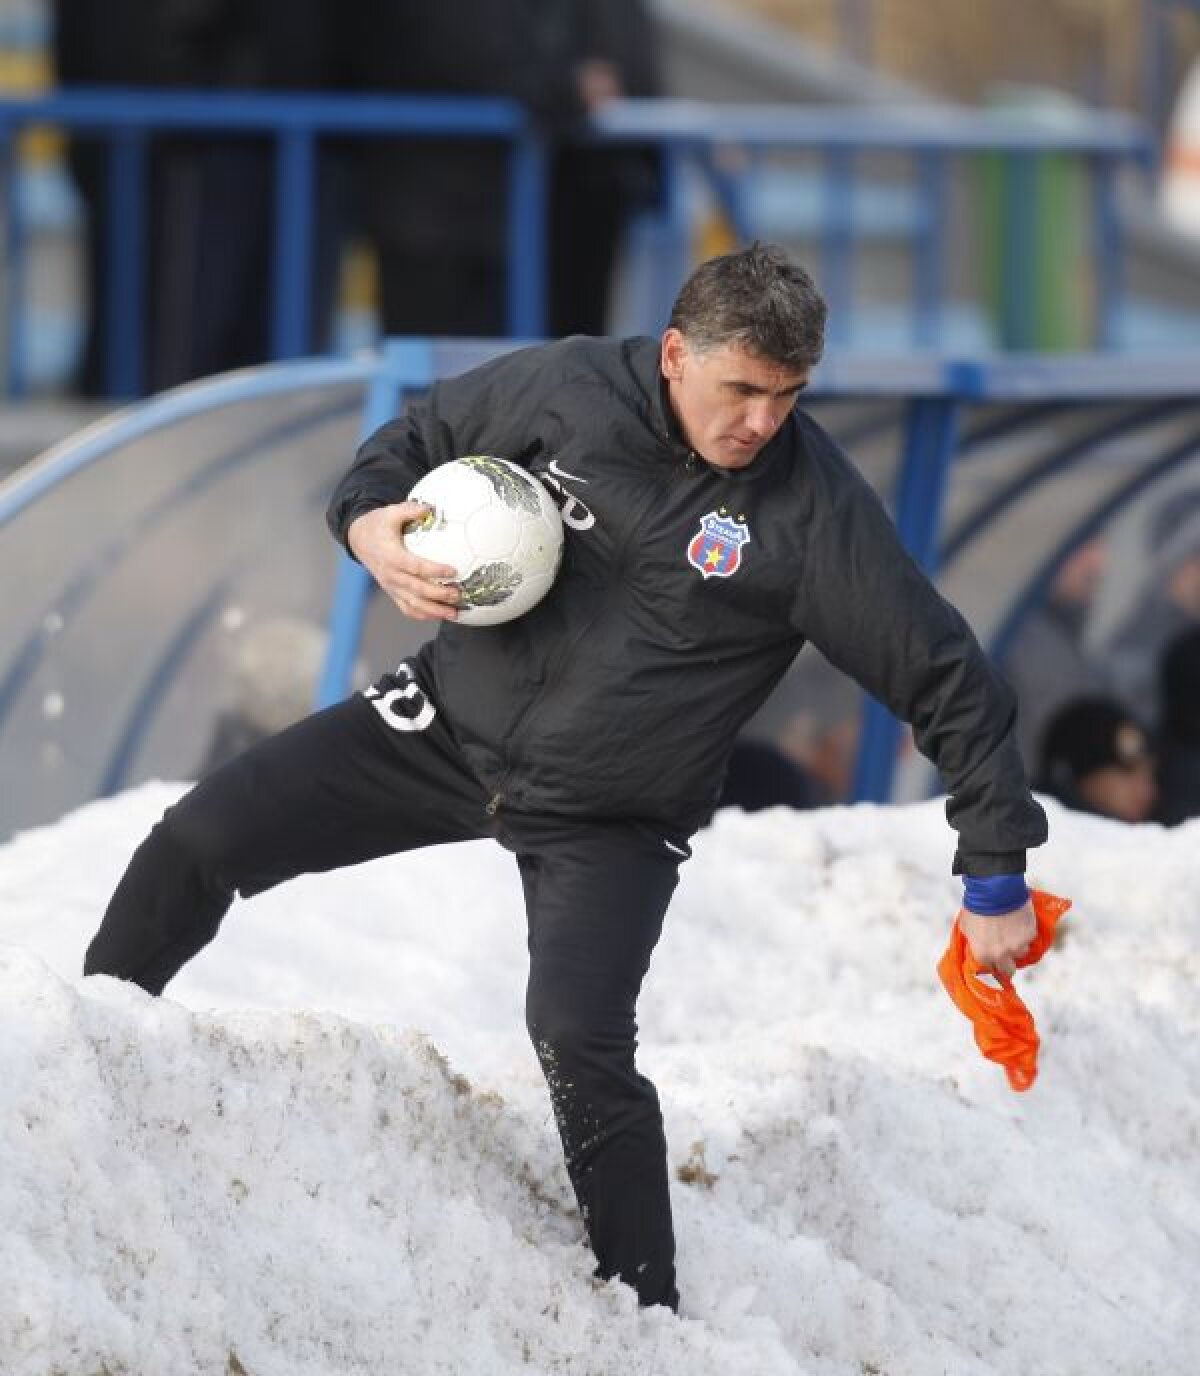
[{"x": 716, "y": 548}]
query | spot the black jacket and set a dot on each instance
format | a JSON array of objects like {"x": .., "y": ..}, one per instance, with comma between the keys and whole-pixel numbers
[{"x": 622, "y": 692}]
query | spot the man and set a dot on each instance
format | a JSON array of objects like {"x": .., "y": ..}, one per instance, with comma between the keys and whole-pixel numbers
[{"x": 712, "y": 528}]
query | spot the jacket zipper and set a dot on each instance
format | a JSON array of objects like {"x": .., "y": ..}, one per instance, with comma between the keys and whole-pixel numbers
[{"x": 492, "y": 806}]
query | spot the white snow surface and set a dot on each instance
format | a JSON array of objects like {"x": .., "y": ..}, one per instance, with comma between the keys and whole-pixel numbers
[{"x": 329, "y": 1148}]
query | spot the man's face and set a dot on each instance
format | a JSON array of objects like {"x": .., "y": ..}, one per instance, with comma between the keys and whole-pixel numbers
[
  {"x": 1127, "y": 792},
  {"x": 728, "y": 402}
]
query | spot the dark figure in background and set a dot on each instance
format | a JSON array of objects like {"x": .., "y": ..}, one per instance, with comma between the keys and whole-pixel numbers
[
  {"x": 1179, "y": 730},
  {"x": 1048, "y": 663},
  {"x": 210, "y": 205},
  {"x": 1096, "y": 757},
  {"x": 1170, "y": 601},
  {"x": 436, "y": 210},
  {"x": 760, "y": 776},
  {"x": 96, "y": 43},
  {"x": 590, "y": 736},
  {"x": 616, "y": 50},
  {"x": 814, "y": 717}
]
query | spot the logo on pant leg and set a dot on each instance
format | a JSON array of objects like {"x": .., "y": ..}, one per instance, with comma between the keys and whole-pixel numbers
[
  {"x": 716, "y": 548},
  {"x": 400, "y": 701}
]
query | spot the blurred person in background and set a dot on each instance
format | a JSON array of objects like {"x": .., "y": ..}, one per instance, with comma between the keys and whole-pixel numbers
[
  {"x": 210, "y": 201},
  {"x": 616, "y": 51},
  {"x": 1096, "y": 757},
  {"x": 1047, "y": 663},
  {"x": 760, "y": 776},
  {"x": 436, "y": 210},
  {"x": 96, "y": 43},
  {"x": 273, "y": 666},
  {"x": 1170, "y": 602},
  {"x": 800, "y": 748},
  {"x": 814, "y": 718},
  {"x": 1179, "y": 730}
]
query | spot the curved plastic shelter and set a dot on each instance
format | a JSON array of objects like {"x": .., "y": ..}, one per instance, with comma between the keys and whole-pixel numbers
[
  {"x": 168, "y": 579},
  {"x": 154, "y": 561}
]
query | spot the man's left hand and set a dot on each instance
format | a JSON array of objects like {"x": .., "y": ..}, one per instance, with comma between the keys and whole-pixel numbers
[{"x": 998, "y": 942}]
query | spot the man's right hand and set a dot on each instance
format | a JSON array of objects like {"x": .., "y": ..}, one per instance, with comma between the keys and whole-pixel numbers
[{"x": 417, "y": 586}]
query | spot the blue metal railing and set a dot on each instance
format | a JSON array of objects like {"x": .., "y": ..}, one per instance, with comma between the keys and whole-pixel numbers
[
  {"x": 932, "y": 137},
  {"x": 127, "y": 119},
  {"x": 686, "y": 132}
]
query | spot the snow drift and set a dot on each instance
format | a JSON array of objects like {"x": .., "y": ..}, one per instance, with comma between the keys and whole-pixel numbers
[{"x": 329, "y": 1149}]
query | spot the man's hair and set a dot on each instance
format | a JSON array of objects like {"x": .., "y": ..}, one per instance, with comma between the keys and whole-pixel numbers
[{"x": 758, "y": 299}]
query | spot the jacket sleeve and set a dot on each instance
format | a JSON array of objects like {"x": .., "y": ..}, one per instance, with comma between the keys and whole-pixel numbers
[
  {"x": 867, "y": 606},
  {"x": 493, "y": 409}
]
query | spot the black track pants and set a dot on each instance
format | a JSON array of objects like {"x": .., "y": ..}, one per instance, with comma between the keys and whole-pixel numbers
[{"x": 381, "y": 774}]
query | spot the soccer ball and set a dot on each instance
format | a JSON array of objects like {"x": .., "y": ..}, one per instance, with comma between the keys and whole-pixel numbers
[{"x": 498, "y": 526}]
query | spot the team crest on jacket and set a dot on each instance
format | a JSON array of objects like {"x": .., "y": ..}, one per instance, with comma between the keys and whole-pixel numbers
[{"x": 716, "y": 548}]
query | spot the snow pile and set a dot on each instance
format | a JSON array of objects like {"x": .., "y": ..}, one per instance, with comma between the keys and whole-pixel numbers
[{"x": 314, "y": 1186}]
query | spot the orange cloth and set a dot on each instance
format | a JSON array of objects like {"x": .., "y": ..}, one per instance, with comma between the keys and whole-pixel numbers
[{"x": 1004, "y": 1029}]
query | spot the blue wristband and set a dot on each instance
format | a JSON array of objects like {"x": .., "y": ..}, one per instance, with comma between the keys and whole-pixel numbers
[{"x": 995, "y": 894}]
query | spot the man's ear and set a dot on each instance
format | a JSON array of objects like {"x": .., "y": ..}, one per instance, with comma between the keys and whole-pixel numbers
[{"x": 674, "y": 351}]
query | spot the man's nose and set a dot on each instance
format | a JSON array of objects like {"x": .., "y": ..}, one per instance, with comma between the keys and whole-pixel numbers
[{"x": 760, "y": 419}]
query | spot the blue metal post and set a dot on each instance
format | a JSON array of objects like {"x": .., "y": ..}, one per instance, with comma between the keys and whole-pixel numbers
[
  {"x": 1018, "y": 228},
  {"x": 741, "y": 205},
  {"x": 921, "y": 493},
  {"x": 930, "y": 249},
  {"x": 406, "y": 364},
  {"x": 1107, "y": 249},
  {"x": 125, "y": 253},
  {"x": 292, "y": 286},
  {"x": 673, "y": 250},
  {"x": 14, "y": 280},
  {"x": 730, "y": 186},
  {"x": 924, "y": 476},
  {"x": 527, "y": 240},
  {"x": 837, "y": 241}
]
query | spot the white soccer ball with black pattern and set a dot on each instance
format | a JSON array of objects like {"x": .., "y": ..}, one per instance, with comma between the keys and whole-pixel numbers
[{"x": 498, "y": 526}]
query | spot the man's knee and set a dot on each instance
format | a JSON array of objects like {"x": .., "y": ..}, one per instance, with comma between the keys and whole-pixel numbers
[
  {"x": 588, "y": 1062},
  {"x": 203, "y": 836},
  {"x": 564, "y": 1032}
]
